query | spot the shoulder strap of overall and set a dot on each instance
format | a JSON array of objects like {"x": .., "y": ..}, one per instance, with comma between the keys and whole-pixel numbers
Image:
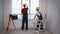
[{"x": 40, "y": 13}]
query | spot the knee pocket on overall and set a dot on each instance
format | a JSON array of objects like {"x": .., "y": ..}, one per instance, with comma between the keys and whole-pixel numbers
[{"x": 38, "y": 26}]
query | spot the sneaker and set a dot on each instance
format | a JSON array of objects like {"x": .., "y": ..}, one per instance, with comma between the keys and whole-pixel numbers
[
  {"x": 41, "y": 28},
  {"x": 22, "y": 29},
  {"x": 36, "y": 29},
  {"x": 26, "y": 29}
]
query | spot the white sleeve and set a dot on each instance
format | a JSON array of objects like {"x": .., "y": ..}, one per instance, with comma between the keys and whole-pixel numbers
[{"x": 37, "y": 13}]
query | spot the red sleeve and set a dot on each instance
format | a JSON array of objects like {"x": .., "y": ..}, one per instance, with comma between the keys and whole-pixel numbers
[
  {"x": 27, "y": 9},
  {"x": 22, "y": 11}
]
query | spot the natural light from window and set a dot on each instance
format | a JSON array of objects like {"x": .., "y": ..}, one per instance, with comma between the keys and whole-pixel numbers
[{"x": 17, "y": 6}]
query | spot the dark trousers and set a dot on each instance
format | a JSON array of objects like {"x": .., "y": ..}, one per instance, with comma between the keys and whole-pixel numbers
[{"x": 25, "y": 21}]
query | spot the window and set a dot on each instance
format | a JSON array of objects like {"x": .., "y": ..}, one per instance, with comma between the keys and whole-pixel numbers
[
  {"x": 17, "y": 6},
  {"x": 33, "y": 4}
]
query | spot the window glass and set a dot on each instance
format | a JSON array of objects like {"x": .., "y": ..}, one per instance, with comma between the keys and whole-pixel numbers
[
  {"x": 16, "y": 6},
  {"x": 34, "y": 3}
]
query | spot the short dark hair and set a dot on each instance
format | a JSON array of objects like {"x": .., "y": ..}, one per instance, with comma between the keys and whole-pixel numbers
[{"x": 24, "y": 5}]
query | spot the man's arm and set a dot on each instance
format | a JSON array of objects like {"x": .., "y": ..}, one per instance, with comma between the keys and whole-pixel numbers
[
  {"x": 27, "y": 8},
  {"x": 35, "y": 16},
  {"x": 22, "y": 11}
]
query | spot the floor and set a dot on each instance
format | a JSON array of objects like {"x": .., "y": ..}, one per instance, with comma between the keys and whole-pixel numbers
[{"x": 20, "y": 32}]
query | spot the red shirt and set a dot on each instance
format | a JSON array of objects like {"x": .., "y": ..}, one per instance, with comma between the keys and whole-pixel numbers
[{"x": 23, "y": 10}]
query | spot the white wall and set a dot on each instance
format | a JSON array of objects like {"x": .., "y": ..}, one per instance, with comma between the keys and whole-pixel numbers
[
  {"x": 6, "y": 9},
  {"x": 1, "y": 16},
  {"x": 53, "y": 16}
]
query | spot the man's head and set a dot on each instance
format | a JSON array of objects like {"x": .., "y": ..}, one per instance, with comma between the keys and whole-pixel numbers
[
  {"x": 37, "y": 8},
  {"x": 24, "y": 5}
]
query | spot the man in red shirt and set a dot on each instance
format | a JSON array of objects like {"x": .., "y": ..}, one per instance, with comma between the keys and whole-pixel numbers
[{"x": 25, "y": 17}]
